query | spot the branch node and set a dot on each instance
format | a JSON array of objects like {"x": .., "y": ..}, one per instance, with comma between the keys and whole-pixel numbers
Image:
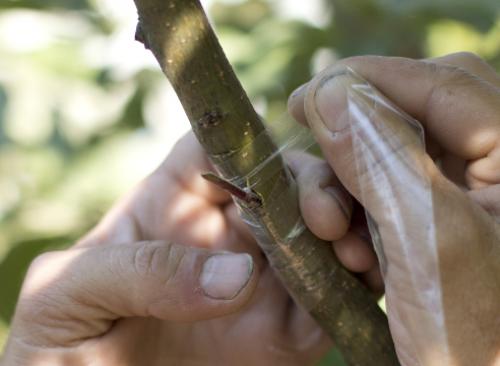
[
  {"x": 140, "y": 36},
  {"x": 211, "y": 119}
]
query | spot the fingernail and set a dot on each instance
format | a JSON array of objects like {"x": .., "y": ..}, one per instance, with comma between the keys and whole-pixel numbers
[
  {"x": 224, "y": 275},
  {"x": 331, "y": 99}
]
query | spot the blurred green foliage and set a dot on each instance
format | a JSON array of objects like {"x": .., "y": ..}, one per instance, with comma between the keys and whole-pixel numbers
[{"x": 81, "y": 114}]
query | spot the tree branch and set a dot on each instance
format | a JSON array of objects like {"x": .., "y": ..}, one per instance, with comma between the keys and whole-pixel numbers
[{"x": 235, "y": 139}]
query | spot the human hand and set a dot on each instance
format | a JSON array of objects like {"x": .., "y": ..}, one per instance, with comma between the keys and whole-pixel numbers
[
  {"x": 125, "y": 295},
  {"x": 439, "y": 227}
]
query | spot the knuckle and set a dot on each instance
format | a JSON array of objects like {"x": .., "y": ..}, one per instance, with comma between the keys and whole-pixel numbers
[
  {"x": 466, "y": 56},
  {"x": 452, "y": 76},
  {"x": 143, "y": 258},
  {"x": 447, "y": 80},
  {"x": 158, "y": 260},
  {"x": 38, "y": 294},
  {"x": 41, "y": 262},
  {"x": 430, "y": 67},
  {"x": 445, "y": 74}
]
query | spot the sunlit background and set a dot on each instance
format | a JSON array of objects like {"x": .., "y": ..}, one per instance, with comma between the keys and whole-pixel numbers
[{"x": 85, "y": 113}]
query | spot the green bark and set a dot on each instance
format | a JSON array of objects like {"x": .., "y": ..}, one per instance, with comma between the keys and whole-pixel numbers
[{"x": 235, "y": 139}]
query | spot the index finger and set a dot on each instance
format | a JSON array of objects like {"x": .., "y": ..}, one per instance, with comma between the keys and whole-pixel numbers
[
  {"x": 458, "y": 109},
  {"x": 184, "y": 167}
]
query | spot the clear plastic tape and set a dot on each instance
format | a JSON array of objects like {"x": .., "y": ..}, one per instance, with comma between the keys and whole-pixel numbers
[
  {"x": 388, "y": 150},
  {"x": 285, "y": 133},
  {"x": 296, "y": 259},
  {"x": 279, "y": 227},
  {"x": 288, "y": 136},
  {"x": 387, "y": 173}
]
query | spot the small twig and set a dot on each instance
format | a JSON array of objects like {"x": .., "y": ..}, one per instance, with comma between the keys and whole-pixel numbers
[
  {"x": 244, "y": 194},
  {"x": 139, "y": 36}
]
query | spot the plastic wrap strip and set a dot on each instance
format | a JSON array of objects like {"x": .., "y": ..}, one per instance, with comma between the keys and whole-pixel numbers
[
  {"x": 284, "y": 238},
  {"x": 287, "y": 134},
  {"x": 388, "y": 146}
]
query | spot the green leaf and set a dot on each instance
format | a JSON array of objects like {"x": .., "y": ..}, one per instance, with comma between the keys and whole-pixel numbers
[
  {"x": 46, "y": 4},
  {"x": 13, "y": 269},
  {"x": 3, "y": 108}
]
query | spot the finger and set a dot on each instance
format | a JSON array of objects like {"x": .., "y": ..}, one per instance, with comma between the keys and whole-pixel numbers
[
  {"x": 374, "y": 281},
  {"x": 471, "y": 63},
  {"x": 465, "y": 60},
  {"x": 489, "y": 199},
  {"x": 184, "y": 167},
  {"x": 94, "y": 286},
  {"x": 484, "y": 172},
  {"x": 455, "y": 168},
  {"x": 422, "y": 224},
  {"x": 296, "y": 104},
  {"x": 362, "y": 137},
  {"x": 355, "y": 253},
  {"x": 325, "y": 205},
  {"x": 303, "y": 331},
  {"x": 439, "y": 96},
  {"x": 174, "y": 197},
  {"x": 172, "y": 214}
]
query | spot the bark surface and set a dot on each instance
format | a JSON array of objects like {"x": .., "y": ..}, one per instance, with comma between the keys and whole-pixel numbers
[{"x": 236, "y": 140}]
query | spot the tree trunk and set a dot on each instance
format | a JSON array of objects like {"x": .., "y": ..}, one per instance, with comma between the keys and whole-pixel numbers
[{"x": 235, "y": 139}]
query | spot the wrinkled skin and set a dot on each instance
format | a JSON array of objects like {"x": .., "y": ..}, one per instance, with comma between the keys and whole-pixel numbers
[
  {"x": 93, "y": 302},
  {"x": 125, "y": 295},
  {"x": 439, "y": 227}
]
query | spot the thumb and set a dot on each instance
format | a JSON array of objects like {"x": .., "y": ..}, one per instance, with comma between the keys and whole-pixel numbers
[
  {"x": 377, "y": 152},
  {"x": 147, "y": 279},
  {"x": 422, "y": 224}
]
